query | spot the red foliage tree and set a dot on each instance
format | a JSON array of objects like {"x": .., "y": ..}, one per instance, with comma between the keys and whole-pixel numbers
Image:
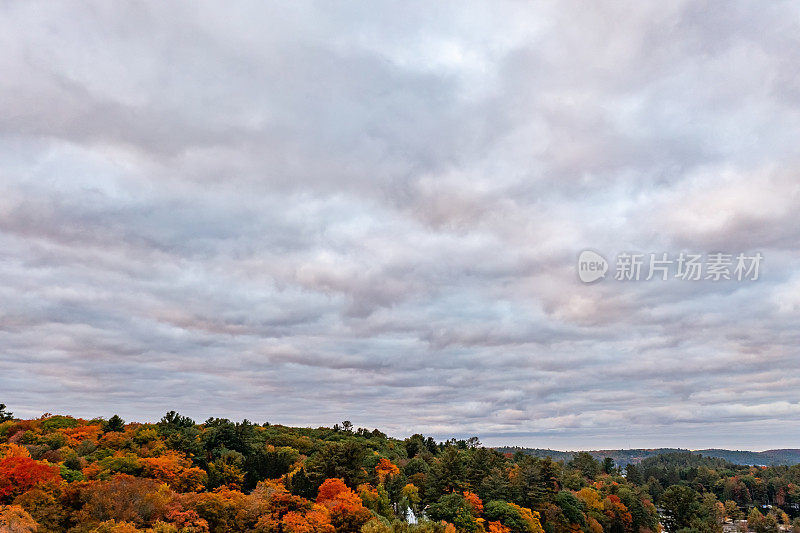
[{"x": 20, "y": 474}]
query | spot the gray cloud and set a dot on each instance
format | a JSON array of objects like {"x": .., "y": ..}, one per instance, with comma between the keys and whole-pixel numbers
[{"x": 304, "y": 213}]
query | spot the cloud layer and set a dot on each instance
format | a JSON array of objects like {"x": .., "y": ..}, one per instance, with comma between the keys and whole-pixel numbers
[{"x": 308, "y": 212}]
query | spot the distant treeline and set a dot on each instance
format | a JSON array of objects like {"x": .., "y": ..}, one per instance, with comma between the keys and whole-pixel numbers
[{"x": 636, "y": 455}]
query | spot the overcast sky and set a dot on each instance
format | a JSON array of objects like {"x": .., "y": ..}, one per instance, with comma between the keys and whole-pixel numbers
[{"x": 310, "y": 212}]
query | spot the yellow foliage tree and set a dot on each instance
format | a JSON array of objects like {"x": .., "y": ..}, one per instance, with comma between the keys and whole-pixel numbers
[{"x": 590, "y": 498}]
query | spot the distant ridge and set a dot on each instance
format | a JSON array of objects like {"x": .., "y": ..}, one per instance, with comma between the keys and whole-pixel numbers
[{"x": 622, "y": 458}]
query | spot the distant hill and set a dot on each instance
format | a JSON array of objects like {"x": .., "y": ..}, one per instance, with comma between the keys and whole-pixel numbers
[
  {"x": 768, "y": 457},
  {"x": 625, "y": 457}
]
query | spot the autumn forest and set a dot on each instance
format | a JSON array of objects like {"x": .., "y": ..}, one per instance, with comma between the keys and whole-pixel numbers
[{"x": 59, "y": 473}]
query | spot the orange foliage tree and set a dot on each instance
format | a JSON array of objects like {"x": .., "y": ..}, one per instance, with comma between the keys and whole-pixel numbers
[
  {"x": 126, "y": 498},
  {"x": 475, "y": 502},
  {"x": 187, "y": 520},
  {"x": 275, "y": 509},
  {"x": 314, "y": 521},
  {"x": 78, "y": 434},
  {"x": 386, "y": 468},
  {"x": 346, "y": 509},
  {"x": 13, "y": 518},
  {"x": 174, "y": 470},
  {"x": 497, "y": 527}
]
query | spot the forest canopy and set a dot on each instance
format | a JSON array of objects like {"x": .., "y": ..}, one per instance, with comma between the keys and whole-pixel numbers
[{"x": 59, "y": 473}]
